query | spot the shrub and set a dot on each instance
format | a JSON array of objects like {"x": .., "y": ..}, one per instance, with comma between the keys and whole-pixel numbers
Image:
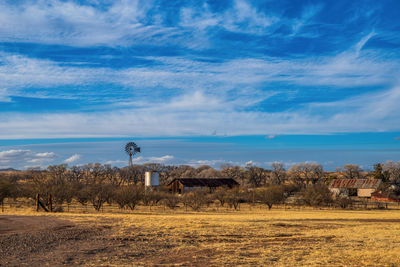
[
  {"x": 317, "y": 195},
  {"x": 82, "y": 195},
  {"x": 234, "y": 196},
  {"x": 220, "y": 194},
  {"x": 343, "y": 202},
  {"x": 128, "y": 196},
  {"x": 270, "y": 195},
  {"x": 99, "y": 194},
  {"x": 7, "y": 189},
  {"x": 153, "y": 196},
  {"x": 195, "y": 199},
  {"x": 171, "y": 201}
]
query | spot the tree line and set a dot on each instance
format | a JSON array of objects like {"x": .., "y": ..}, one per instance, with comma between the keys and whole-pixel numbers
[{"x": 97, "y": 184}]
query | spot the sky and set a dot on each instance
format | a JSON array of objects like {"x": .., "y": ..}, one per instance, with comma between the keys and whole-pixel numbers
[{"x": 199, "y": 82}]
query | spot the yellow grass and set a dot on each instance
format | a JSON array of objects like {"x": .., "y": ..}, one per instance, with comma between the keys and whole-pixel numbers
[{"x": 252, "y": 236}]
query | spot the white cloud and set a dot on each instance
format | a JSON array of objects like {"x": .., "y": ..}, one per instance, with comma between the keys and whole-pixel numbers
[
  {"x": 121, "y": 23},
  {"x": 209, "y": 96},
  {"x": 363, "y": 41},
  {"x": 18, "y": 158},
  {"x": 246, "y": 18},
  {"x": 251, "y": 163},
  {"x": 241, "y": 17},
  {"x": 72, "y": 159},
  {"x": 117, "y": 162},
  {"x": 242, "y": 80},
  {"x": 167, "y": 159},
  {"x": 308, "y": 13},
  {"x": 4, "y": 95},
  {"x": 215, "y": 163},
  {"x": 62, "y": 22},
  {"x": 369, "y": 112},
  {"x": 163, "y": 159}
]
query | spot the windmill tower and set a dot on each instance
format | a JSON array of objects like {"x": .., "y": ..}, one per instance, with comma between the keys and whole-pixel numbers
[{"x": 131, "y": 149}]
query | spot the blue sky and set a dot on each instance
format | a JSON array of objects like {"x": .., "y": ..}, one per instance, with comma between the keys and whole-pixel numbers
[{"x": 319, "y": 76}]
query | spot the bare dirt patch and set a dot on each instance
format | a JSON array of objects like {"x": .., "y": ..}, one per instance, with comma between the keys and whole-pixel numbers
[{"x": 37, "y": 240}]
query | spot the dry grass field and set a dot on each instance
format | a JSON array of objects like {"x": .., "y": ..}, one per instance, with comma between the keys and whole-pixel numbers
[{"x": 252, "y": 236}]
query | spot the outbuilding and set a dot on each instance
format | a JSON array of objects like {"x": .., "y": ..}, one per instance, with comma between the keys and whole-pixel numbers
[
  {"x": 354, "y": 187},
  {"x": 184, "y": 185},
  {"x": 384, "y": 196}
]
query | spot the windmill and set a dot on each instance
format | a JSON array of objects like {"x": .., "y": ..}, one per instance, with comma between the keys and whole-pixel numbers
[{"x": 131, "y": 149}]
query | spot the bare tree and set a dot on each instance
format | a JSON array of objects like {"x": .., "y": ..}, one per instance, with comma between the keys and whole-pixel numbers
[
  {"x": 256, "y": 175},
  {"x": 380, "y": 173},
  {"x": 306, "y": 173},
  {"x": 76, "y": 174},
  {"x": 132, "y": 175},
  {"x": 277, "y": 175},
  {"x": 93, "y": 173},
  {"x": 206, "y": 171},
  {"x": 317, "y": 173},
  {"x": 352, "y": 171},
  {"x": 296, "y": 173},
  {"x": 235, "y": 172},
  {"x": 393, "y": 170},
  {"x": 183, "y": 171},
  {"x": 112, "y": 175}
]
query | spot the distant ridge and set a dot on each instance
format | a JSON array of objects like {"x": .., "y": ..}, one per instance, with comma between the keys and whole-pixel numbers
[{"x": 8, "y": 170}]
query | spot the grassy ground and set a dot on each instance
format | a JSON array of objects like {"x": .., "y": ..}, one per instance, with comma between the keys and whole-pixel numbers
[{"x": 251, "y": 236}]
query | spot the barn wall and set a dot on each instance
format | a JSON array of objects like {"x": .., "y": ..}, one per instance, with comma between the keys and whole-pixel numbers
[
  {"x": 365, "y": 192},
  {"x": 176, "y": 187},
  {"x": 340, "y": 191},
  {"x": 188, "y": 189}
]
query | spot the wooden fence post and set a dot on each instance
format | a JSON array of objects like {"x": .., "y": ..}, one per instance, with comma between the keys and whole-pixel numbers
[
  {"x": 40, "y": 204},
  {"x": 37, "y": 202},
  {"x": 50, "y": 202}
]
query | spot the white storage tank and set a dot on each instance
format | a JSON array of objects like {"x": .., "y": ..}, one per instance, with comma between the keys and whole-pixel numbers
[{"x": 151, "y": 179}]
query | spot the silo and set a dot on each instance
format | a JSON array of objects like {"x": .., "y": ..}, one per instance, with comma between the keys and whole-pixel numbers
[{"x": 152, "y": 179}]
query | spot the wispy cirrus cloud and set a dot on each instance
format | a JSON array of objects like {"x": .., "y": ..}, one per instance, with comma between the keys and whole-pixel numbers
[
  {"x": 371, "y": 112},
  {"x": 119, "y": 23},
  {"x": 349, "y": 68},
  {"x": 61, "y": 22},
  {"x": 202, "y": 70}
]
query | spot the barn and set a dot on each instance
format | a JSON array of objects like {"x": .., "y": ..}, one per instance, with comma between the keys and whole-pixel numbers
[
  {"x": 354, "y": 187},
  {"x": 184, "y": 185}
]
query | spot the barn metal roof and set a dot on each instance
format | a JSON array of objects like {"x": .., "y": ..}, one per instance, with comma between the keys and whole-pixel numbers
[
  {"x": 209, "y": 182},
  {"x": 356, "y": 183}
]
